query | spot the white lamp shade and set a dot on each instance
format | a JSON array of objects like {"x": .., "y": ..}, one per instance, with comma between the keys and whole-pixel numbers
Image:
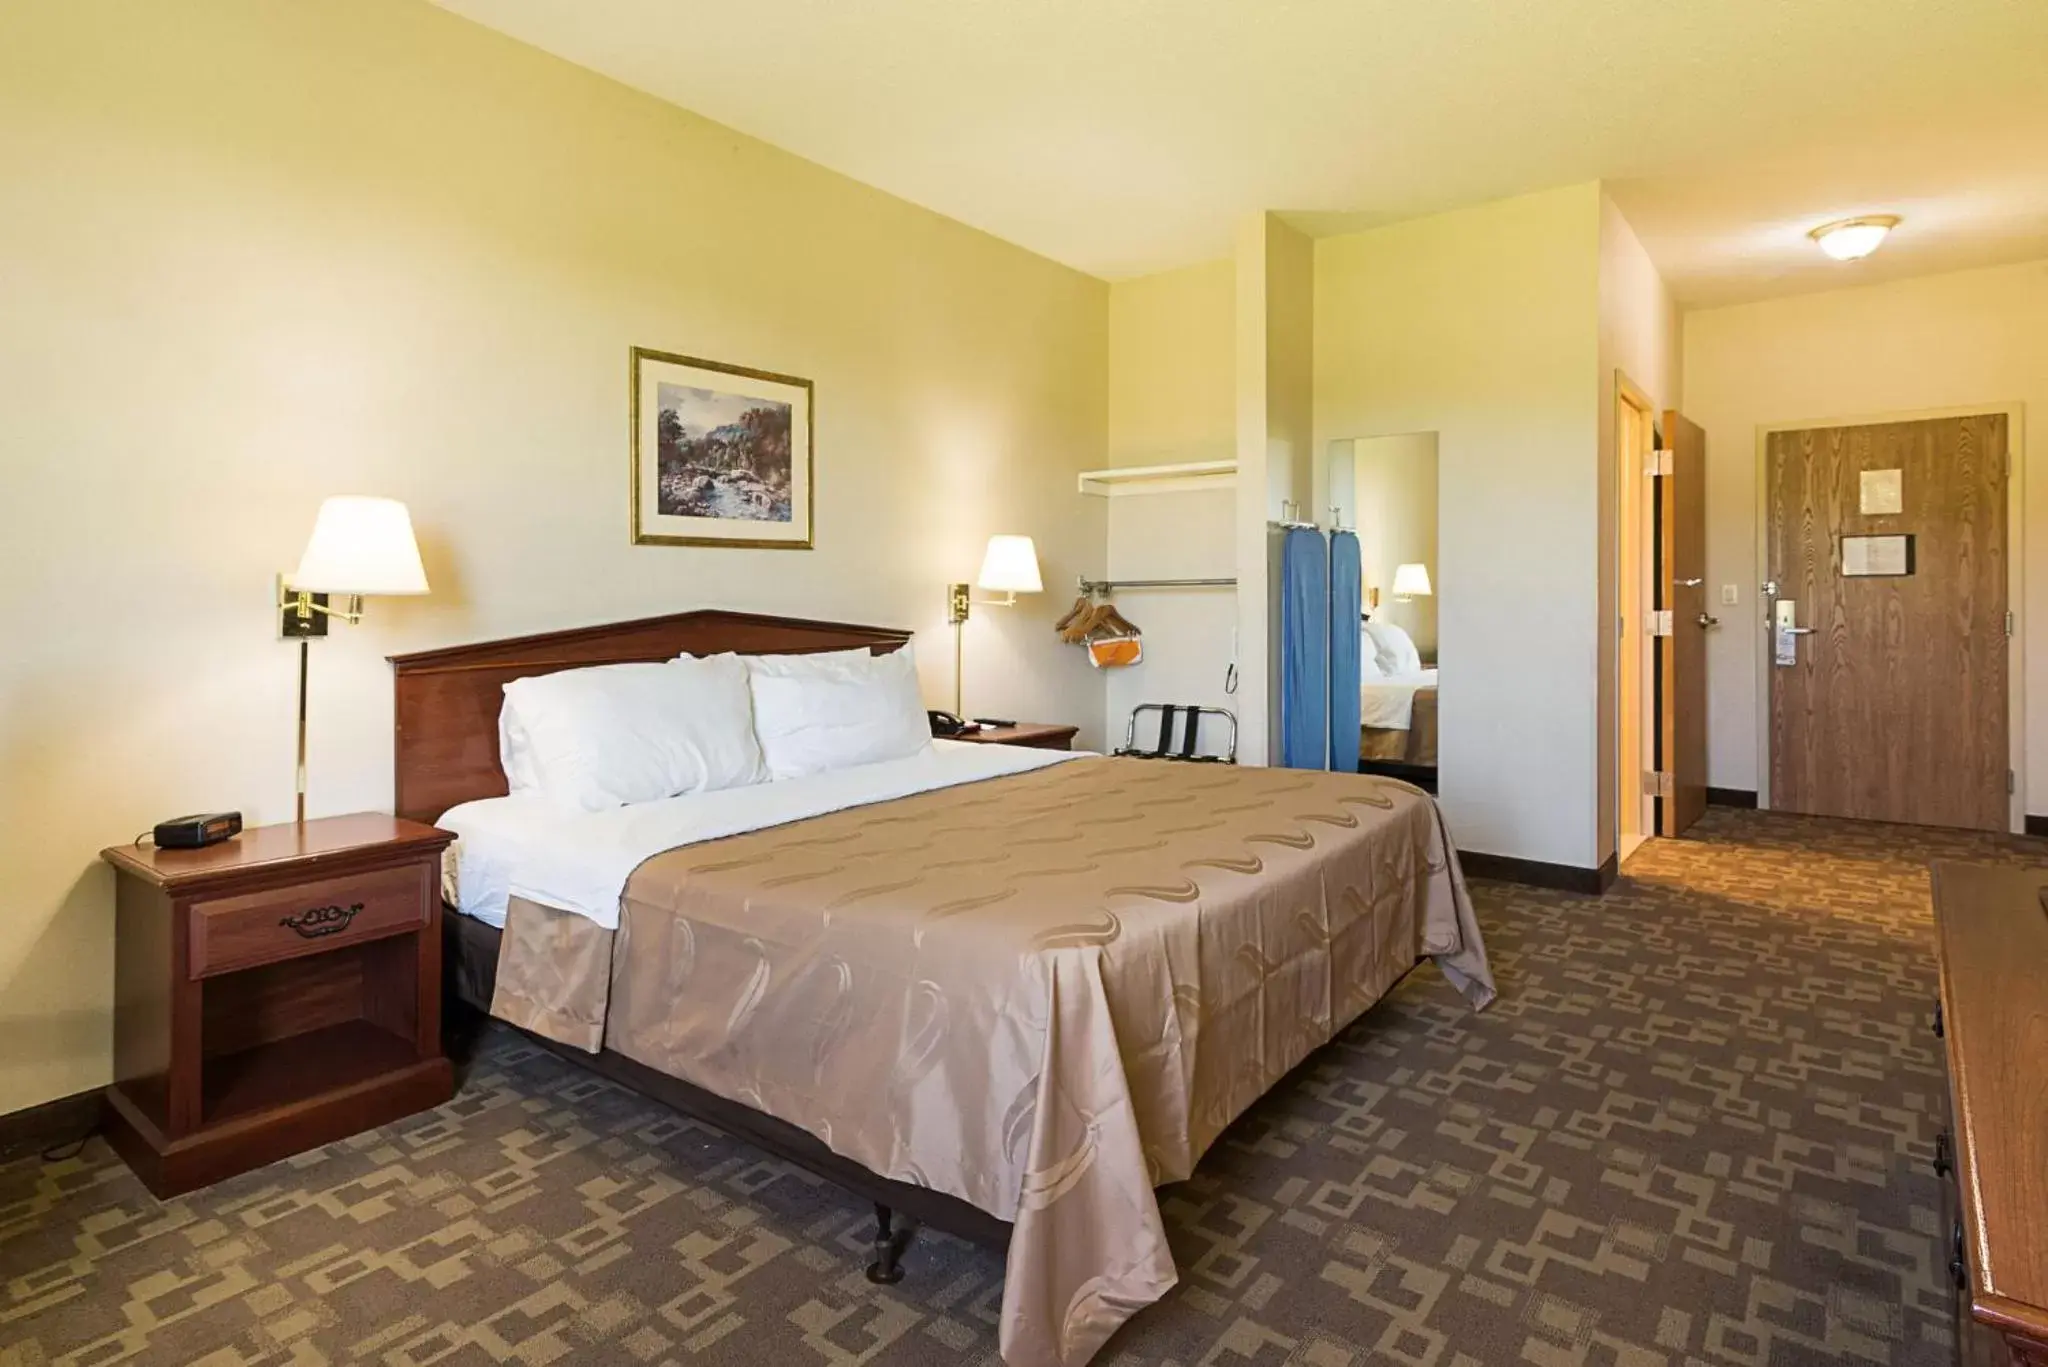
[
  {"x": 1010, "y": 566},
  {"x": 1411, "y": 580},
  {"x": 361, "y": 546}
]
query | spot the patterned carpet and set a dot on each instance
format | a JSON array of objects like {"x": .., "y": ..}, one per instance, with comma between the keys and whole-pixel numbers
[{"x": 1695, "y": 1129}]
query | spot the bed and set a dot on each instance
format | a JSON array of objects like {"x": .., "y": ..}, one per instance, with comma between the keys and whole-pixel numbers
[
  {"x": 1007, "y": 995},
  {"x": 1397, "y": 719}
]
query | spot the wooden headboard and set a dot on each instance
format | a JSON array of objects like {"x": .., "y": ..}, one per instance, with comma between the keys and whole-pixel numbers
[{"x": 447, "y": 701}]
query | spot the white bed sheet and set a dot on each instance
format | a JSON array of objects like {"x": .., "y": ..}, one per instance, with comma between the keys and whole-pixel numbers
[
  {"x": 1389, "y": 703},
  {"x": 476, "y": 872},
  {"x": 525, "y": 846}
]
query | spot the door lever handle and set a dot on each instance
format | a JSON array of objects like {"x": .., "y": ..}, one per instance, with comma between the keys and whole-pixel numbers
[
  {"x": 1796, "y": 631},
  {"x": 1690, "y": 583},
  {"x": 1709, "y": 622}
]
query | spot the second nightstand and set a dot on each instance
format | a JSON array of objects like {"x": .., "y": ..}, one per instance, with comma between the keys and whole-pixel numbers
[
  {"x": 273, "y": 993},
  {"x": 1035, "y": 735}
]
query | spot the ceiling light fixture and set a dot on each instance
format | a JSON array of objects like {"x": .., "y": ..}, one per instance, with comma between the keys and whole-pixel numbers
[{"x": 1853, "y": 238}]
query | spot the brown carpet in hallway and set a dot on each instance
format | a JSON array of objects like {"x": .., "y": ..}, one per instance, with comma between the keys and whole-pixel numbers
[{"x": 1695, "y": 1129}]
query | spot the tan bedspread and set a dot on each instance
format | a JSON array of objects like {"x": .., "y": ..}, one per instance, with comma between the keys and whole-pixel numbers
[
  {"x": 1045, "y": 994},
  {"x": 1414, "y": 745}
]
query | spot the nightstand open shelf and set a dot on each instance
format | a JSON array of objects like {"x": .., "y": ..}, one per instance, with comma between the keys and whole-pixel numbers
[
  {"x": 287, "y": 1072},
  {"x": 273, "y": 994},
  {"x": 278, "y": 1034}
]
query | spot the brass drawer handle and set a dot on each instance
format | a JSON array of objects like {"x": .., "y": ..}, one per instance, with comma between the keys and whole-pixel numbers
[
  {"x": 1943, "y": 1165},
  {"x": 315, "y": 922}
]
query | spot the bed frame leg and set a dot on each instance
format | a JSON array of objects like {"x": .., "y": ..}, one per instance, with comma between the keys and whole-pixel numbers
[{"x": 887, "y": 1268}]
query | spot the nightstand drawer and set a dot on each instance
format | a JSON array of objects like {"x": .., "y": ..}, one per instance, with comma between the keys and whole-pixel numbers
[{"x": 232, "y": 933}]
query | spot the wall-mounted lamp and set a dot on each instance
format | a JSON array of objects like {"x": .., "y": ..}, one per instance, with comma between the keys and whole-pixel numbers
[
  {"x": 1008, "y": 567},
  {"x": 360, "y": 547},
  {"x": 1411, "y": 581}
]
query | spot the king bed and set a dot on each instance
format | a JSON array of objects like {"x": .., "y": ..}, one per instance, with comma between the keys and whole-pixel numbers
[{"x": 1003, "y": 993}]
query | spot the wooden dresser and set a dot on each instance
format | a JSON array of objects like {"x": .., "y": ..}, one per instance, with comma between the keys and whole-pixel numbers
[{"x": 1992, "y": 928}]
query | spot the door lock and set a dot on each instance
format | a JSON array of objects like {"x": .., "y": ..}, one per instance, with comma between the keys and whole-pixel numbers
[
  {"x": 1785, "y": 633},
  {"x": 1708, "y": 623}
]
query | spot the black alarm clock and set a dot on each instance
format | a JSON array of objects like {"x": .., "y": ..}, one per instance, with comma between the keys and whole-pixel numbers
[{"x": 192, "y": 832}]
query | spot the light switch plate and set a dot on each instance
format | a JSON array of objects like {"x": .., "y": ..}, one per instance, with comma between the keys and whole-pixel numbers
[{"x": 1730, "y": 595}]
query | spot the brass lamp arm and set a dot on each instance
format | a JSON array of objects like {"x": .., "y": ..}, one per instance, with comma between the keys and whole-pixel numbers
[{"x": 301, "y": 601}]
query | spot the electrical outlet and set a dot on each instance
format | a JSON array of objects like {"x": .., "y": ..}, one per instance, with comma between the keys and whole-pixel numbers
[{"x": 1730, "y": 595}]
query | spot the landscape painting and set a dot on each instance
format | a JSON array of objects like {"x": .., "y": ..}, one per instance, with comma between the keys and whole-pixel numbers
[{"x": 722, "y": 455}]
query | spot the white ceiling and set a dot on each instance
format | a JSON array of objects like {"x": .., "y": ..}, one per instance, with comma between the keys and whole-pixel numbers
[{"x": 1125, "y": 136}]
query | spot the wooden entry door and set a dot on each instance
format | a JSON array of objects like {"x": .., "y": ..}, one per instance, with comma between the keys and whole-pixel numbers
[
  {"x": 1682, "y": 652},
  {"x": 1888, "y": 691}
]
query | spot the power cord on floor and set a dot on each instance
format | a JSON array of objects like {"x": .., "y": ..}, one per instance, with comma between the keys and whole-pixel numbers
[{"x": 64, "y": 1153}]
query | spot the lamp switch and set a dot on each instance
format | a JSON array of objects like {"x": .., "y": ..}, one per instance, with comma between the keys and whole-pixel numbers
[{"x": 1730, "y": 595}]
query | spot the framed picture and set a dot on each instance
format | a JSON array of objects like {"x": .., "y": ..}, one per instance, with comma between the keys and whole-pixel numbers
[{"x": 722, "y": 455}]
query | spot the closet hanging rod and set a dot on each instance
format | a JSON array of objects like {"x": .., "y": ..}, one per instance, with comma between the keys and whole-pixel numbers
[
  {"x": 1112, "y": 585},
  {"x": 1294, "y": 526}
]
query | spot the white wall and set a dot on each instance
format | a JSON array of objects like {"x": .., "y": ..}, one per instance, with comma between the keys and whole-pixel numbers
[
  {"x": 1641, "y": 339},
  {"x": 252, "y": 254},
  {"x": 1483, "y": 325},
  {"x": 1943, "y": 341},
  {"x": 1189, "y": 633},
  {"x": 1172, "y": 398}
]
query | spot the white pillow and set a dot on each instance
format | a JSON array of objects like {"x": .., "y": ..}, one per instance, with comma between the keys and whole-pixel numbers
[
  {"x": 611, "y": 735},
  {"x": 1395, "y": 648},
  {"x": 515, "y": 752},
  {"x": 1368, "y": 659},
  {"x": 816, "y": 713}
]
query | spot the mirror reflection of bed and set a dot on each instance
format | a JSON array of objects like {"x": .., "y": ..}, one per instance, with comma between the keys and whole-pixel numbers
[{"x": 1393, "y": 502}]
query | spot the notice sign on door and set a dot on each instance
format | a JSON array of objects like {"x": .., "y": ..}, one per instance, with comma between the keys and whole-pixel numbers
[
  {"x": 1883, "y": 493},
  {"x": 1872, "y": 556}
]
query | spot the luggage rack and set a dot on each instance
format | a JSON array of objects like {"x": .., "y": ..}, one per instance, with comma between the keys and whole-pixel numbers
[{"x": 1164, "y": 747}]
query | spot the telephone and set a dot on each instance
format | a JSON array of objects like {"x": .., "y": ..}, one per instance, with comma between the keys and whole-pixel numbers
[{"x": 945, "y": 723}]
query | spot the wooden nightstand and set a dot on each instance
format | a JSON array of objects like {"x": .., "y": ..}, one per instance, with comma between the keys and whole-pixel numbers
[
  {"x": 273, "y": 993},
  {"x": 1036, "y": 735}
]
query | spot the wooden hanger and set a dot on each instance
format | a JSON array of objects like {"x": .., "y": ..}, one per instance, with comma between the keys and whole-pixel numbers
[
  {"x": 1081, "y": 605},
  {"x": 1111, "y": 622},
  {"x": 1079, "y": 627}
]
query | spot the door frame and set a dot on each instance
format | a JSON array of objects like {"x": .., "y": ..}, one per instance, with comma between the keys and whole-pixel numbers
[
  {"x": 1633, "y": 495},
  {"x": 2015, "y": 583}
]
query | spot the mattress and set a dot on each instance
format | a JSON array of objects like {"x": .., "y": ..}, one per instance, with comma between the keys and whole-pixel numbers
[{"x": 477, "y": 870}]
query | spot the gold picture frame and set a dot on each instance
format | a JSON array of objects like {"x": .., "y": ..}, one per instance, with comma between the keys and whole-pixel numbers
[{"x": 721, "y": 455}]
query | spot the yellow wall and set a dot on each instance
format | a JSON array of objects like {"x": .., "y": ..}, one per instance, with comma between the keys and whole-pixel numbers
[
  {"x": 1172, "y": 359},
  {"x": 255, "y": 253},
  {"x": 1482, "y": 325},
  {"x": 1172, "y": 398},
  {"x": 1275, "y": 340},
  {"x": 1640, "y": 338},
  {"x": 1941, "y": 341}
]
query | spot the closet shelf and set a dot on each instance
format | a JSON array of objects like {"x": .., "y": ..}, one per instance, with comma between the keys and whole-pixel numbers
[{"x": 1159, "y": 479}]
